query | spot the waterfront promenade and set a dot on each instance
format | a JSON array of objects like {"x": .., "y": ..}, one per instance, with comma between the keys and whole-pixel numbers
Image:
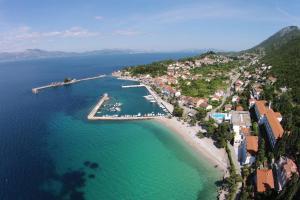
[{"x": 57, "y": 84}]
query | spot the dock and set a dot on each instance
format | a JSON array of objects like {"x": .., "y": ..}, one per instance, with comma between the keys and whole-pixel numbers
[
  {"x": 133, "y": 86},
  {"x": 92, "y": 114},
  {"x": 58, "y": 84}
]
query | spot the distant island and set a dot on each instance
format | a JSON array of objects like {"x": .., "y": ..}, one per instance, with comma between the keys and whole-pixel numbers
[{"x": 30, "y": 54}]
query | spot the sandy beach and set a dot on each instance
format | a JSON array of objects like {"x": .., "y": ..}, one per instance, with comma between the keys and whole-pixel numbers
[{"x": 204, "y": 146}]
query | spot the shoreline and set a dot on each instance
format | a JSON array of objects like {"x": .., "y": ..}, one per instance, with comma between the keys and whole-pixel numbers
[{"x": 204, "y": 147}]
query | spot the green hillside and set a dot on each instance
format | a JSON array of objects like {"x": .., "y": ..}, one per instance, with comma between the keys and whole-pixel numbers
[
  {"x": 277, "y": 40},
  {"x": 286, "y": 65}
]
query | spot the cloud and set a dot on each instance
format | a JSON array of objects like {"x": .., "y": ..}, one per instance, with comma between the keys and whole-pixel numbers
[
  {"x": 126, "y": 32},
  {"x": 99, "y": 17},
  {"x": 25, "y": 36}
]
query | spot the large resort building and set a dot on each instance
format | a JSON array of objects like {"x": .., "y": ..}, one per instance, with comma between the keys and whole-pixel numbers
[{"x": 271, "y": 120}]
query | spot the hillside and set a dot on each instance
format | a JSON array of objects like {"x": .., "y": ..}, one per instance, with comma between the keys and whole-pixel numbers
[
  {"x": 277, "y": 40},
  {"x": 286, "y": 65}
]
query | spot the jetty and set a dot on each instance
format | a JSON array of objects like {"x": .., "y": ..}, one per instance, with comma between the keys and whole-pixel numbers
[
  {"x": 92, "y": 115},
  {"x": 133, "y": 86},
  {"x": 58, "y": 84}
]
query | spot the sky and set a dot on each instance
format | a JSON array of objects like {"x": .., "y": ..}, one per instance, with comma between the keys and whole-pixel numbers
[{"x": 159, "y": 25}]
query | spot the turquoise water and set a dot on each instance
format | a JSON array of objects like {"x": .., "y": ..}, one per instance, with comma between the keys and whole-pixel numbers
[
  {"x": 50, "y": 151},
  {"x": 137, "y": 159},
  {"x": 218, "y": 115}
]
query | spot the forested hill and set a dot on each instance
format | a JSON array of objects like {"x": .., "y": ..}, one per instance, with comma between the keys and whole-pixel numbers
[{"x": 279, "y": 39}]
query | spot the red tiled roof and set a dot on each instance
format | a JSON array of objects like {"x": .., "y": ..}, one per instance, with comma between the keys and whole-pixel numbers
[
  {"x": 274, "y": 124},
  {"x": 261, "y": 107},
  {"x": 245, "y": 131},
  {"x": 277, "y": 114},
  {"x": 252, "y": 144},
  {"x": 265, "y": 180},
  {"x": 239, "y": 108}
]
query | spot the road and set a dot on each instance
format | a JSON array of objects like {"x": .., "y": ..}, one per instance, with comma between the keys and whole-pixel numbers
[{"x": 227, "y": 94}]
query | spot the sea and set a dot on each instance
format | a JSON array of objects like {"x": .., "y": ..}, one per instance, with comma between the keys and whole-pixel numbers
[{"x": 50, "y": 151}]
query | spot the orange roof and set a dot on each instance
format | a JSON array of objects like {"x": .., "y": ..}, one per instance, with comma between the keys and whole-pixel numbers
[
  {"x": 245, "y": 131},
  {"x": 261, "y": 107},
  {"x": 274, "y": 123},
  {"x": 252, "y": 144},
  {"x": 265, "y": 180},
  {"x": 277, "y": 114},
  {"x": 239, "y": 108}
]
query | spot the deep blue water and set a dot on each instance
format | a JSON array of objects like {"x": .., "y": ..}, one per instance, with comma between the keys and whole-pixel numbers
[{"x": 36, "y": 130}]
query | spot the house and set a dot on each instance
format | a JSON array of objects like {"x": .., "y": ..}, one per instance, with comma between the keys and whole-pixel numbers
[
  {"x": 235, "y": 99},
  {"x": 206, "y": 106},
  {"x": 250, "y": 148},
  {"x": 219, "y": 93},
  {"x": 285, "y": 169},
  {"x": 271, "y": 121},
  {"x": 238, "y": 85},
  {"x": 271, "y": 80},
  {"x": 264, "y": 180},
  {"x": 256, "y": 90},
  {"x": 215, "y": 98},
  {"x": 239, "y": 108},
  {"x": 228, "y": 107}
]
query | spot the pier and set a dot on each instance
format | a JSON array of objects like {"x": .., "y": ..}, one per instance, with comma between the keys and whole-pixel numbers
[
  {"x": 57, "y": 84},
  {"x": 92, "y": 114},
  {"x": 133, "y": 86}
]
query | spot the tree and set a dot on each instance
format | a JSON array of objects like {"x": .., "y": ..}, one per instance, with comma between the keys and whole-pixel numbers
[
  {"x": 178, "y": 111},
  {"x": 255, "y": 129},
  {"x": 200, "y": 135},
  {"x": 261, "y": 156},
  {"x": 201, "y": 114}
]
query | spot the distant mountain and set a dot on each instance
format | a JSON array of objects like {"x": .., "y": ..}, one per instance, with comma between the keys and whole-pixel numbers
[
  {"x": 277, "y": 40},
  {"x": 38, "y": 53}
]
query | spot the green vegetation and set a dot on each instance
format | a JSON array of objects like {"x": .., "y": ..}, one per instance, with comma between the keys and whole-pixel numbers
[
  {"x": 200, "y": 88},
  {"x": 255, "y": 128},
  {"x": 154, "y": 69},
  {"x": 277, "y": 40},
  {"x": 220, "y": 134},
  {"x": 67, "y": 80},
  {"x": 178, "y": 111},
  {"x": 234, "y": 178},
  {"x": 201, "y": 114},
  {"x": 261, "y": 155}
]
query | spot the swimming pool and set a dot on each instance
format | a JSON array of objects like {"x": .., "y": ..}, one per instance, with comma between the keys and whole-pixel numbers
[{"x": 218, "y": 116}]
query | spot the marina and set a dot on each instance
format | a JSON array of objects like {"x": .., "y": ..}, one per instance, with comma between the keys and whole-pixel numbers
[
  {"x": 64, "y": 83},
  {"x": 92, "y": 115},
  {"x": 114, "y": 108}
]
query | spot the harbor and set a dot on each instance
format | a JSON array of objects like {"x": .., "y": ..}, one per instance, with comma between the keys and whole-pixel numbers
[
  {"x": 93, "y": 114},
  {"x": 64, "y": 83},
  {"x": 115, "y": 107}
]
